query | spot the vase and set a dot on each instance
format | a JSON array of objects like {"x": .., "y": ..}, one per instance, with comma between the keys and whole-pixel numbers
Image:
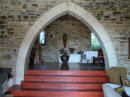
[
  {"x": 64, "y": 58},
  {"x": 71, "y": 50}
]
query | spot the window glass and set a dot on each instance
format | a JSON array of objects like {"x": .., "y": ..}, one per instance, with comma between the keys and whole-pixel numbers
[
  {"x": 42, "y": 37},
  {"x": 95, "y": 45}
]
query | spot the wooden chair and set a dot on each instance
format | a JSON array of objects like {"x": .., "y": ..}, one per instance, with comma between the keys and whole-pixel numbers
[{"x": 118, "y": 75}]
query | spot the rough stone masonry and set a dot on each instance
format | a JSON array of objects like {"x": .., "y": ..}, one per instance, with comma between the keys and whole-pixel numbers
[{"x": 17, "y": 16}]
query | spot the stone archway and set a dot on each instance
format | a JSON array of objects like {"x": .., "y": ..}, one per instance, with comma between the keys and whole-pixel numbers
[{"x": 84, "y": 16}]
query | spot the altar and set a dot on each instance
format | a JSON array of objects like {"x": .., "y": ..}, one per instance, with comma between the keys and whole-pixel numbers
[
  {"x": 78, "y": 58},
  {"x": 73, "y": 58}
]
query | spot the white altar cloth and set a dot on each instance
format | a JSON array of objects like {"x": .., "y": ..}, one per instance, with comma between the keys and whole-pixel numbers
[
  {"x": 73, "y": 58},
  {"x": 90, "y": 55}
]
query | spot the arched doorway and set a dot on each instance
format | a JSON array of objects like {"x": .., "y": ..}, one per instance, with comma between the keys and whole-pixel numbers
[{"x": 60, "y": 10}]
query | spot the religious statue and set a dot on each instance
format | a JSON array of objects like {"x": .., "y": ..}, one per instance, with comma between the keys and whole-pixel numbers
[{"x": 64, "y": 40}]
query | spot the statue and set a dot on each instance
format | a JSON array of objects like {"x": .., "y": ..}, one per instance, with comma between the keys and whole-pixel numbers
[{"x": 64, "y": 40}]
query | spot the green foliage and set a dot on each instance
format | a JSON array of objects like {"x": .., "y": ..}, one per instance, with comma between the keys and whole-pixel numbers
[{"x": 95, "y": 45}]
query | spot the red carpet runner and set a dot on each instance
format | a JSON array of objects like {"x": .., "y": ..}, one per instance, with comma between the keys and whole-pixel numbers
[{"x": 51, "y": 83}]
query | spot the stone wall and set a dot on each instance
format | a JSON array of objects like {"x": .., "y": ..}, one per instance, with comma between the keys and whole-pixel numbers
[
  {"x": 17, "y": 16},
  {"x": 78, "y": 37}
]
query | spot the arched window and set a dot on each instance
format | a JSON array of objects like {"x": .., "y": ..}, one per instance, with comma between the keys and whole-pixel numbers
[
  {"x": 42, "y": 37},
  {"x": 95, "y": 45}
]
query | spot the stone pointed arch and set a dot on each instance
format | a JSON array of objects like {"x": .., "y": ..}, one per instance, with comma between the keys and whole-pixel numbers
[{"x": 84, "y": 16}]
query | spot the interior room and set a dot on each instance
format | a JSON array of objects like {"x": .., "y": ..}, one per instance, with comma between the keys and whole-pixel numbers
[
  {"x": 82, "y": 46},
  {"x": 65, "y": 48}
]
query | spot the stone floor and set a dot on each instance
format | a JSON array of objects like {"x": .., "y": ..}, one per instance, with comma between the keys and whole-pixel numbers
[{"x": 69, "y": 66}]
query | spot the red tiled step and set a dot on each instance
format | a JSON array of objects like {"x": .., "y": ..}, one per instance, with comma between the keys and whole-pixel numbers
[
  {"x": 48, "y": 83},
  {"x": 24, "y": 93},
  {"x": 61, "y": 86},
  {"x": 64, "y": 79},
  {"x": 66, "y": 73}
]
